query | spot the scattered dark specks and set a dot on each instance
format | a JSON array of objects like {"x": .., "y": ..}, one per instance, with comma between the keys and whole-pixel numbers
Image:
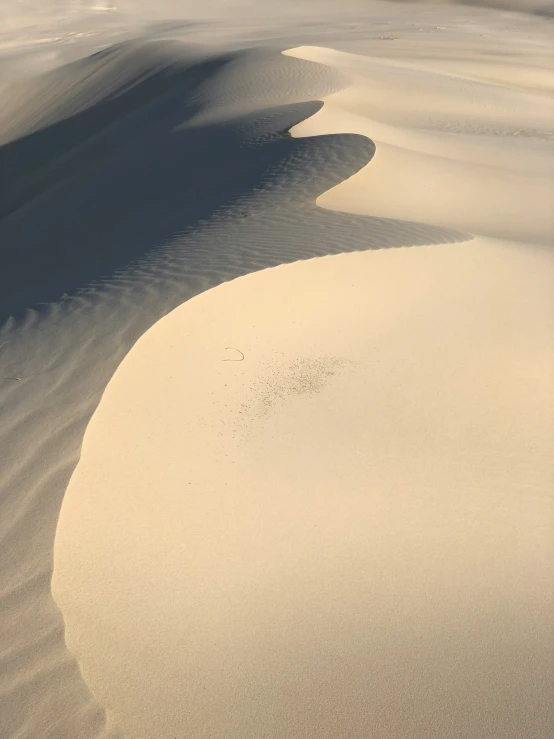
[{"x": 303, "y": 376}]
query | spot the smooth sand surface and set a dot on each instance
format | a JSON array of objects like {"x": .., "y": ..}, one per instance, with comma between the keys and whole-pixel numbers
[{"x": 349, "y": 531}]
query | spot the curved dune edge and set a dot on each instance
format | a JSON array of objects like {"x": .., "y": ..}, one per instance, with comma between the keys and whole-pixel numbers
[
  {"x": 348, "y": 527},
  {"x": 449, "y": 150},
  {"x": 58, "y": 359},
  {"x": 255, "y": 577}
]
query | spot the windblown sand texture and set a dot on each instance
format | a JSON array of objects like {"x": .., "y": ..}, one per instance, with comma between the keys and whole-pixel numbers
[{"x": 277, "y": 371}]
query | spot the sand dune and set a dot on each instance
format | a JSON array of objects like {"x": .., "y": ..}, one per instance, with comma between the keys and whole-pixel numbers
[
  {"x": 347, "y": 531},
  {"x": 146, "y": 173},
  {"x": 141, "y": 214}
]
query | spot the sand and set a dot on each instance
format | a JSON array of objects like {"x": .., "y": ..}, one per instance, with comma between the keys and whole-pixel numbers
[
  {"x": 314, "y": 499},
  {"x": 350, "y": 530}
]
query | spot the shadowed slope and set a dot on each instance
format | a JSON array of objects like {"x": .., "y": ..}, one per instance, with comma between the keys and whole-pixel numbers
[{"x": 71, "y": 187}]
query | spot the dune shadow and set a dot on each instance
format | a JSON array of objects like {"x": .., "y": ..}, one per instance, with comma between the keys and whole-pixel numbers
[
  {"x": 92, "y": 193},
  {"x": 89, "y": 194}
]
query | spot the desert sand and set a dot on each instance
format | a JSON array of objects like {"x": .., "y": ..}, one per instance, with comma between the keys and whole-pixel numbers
[{"x": 277, "y": 371}]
